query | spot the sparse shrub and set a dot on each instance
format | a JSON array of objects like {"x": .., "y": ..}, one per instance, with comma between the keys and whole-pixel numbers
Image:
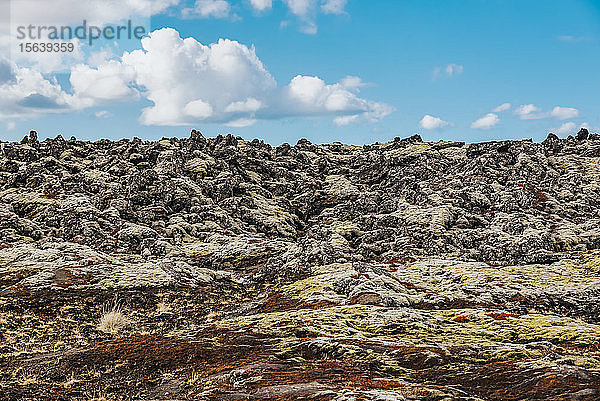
[
  {"x": 113, "y": 319},
  {"x": 162, "y": 308}
]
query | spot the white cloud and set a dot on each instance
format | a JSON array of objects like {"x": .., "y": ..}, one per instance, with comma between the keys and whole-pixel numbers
[
  {"x": 225, "y": 82},
  {"x": 309, "y": 28},
  {"x": 564, "y": 113},
  {"x": 312, "y": 96},
  {"x": 300, "y": 8},
  {"x": 11, "y": 125},
  {"x": 486, "y": 122},
  {"x": 102, "y": 114},
  {"x": 502, "y": 107},
  {"x": 27, "y": 93},
  {"x": 208, "y": 8},
  {"x": 345, "y": 120},
  {"x": 247, "y": 106},
  {"x": 527, "y": 112},
  {"x": 571, "y": 38},
  {"x": 454, "y": 69},
  {"x": 306, "y": 11},
  {"x": 109, "y": 82},
  {"x": 39, "y": 14},
  {"x": 198, "y": 109},
  {"x": 95, "y": 12},
  {"x": 450, "y": 70},
  {"x": 590, "y": 128},
  {"x": 566, "y": 128},
  {"x": 353, "y": 83},
  {"x": 188, "y": 82},
  {"x": 46, "y": 62},
  {"x": 261, "y": 5},
  {"x": 175, "y": 71},
  {"x": 430, "y": 122},
  {"x": 334, "y": 6},
  {"x": 241, "y": 122},
  {"x": 532, "y": 112}
]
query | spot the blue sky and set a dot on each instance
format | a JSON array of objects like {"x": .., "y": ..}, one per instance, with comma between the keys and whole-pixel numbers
[{"x": 438, "y": 68}]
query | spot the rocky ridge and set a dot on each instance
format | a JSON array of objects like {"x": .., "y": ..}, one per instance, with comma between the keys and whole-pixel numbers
[{"x": 404, "y": 270}]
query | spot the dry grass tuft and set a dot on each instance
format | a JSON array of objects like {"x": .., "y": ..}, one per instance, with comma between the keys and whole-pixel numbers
[
  {"x": 113, "y": 319},
  {"x": 162, "y": 308}
]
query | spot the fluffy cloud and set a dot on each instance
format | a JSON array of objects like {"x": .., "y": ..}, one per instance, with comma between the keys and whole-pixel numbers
[
  {"x": 247, "y": 106},
  {"x": 69, "y": 13},
  {"x": 95, "y": 12},
  {"x": 261, "y": 5},
  {"x": 311, "y": 96},
  {"x": 27, "y": 93},
  {"x": 300, "y": 7},
  {"x": 590, "y": 128},
  {"x": 305, "y": 10},
  {"x": 224, "y": 82},
  {"x": 502, "y": 107},
  {"x": 564, "y": 113},
  {"x": 566, "y": 128},
  {"x": 183, "y": 77},
  {"x": 528, "y": 112},
  {"x": 353, "y": 83},
  {"x": 430, "y": 123},
  {"x": 188, "y": 82},
  {"x": 531, "y": 112},
  {"x": 208, "y": 8},
  {"x": 109, "y": 82},
  {"x": 334, "y": 6},
  {"x": 486, "y": 122}
]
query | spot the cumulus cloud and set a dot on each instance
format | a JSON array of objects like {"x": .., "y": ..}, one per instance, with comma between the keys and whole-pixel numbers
[
  {"x": 532, "y": 112},
  {"x": 27, "y": 93},
  {"x": 208, "y": 8},
  {"x": 300, "y": 8},
  {"x": 182, "y": 77},
  {"x": 224, "y": 82},
  {"x": 590, "y": 127},
  {"x": 261, "y": 5},
  {"x": 486, "y": 122},
  {"x": 108, "y": 82},
  {"x": 528, "y": 112},
  {"x": 247, "y": 106},
  {"x": 95, "y": 12},
  {"x": 307, "y": 10},
  {"x": 72, "y": 13},
  {"x": 566, "y": 129},
  {"x": 564, "y": 113},
  {"x": 430, "y": 123},
  {"x": 311, "y": 95},
  {"x": 188, "y": 82},
  {"x": 502, "y": 107}
]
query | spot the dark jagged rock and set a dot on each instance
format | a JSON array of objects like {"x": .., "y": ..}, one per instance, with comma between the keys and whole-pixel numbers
[
  {"x": 391, "y": 271},
  {"x": 582, "y": 135}
]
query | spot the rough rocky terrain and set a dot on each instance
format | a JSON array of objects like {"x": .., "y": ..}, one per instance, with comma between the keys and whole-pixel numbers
[{"x": 405, "y": 270}]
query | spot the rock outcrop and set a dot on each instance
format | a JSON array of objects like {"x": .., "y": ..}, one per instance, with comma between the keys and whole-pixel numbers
[{"x": 407, "y": 270}]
